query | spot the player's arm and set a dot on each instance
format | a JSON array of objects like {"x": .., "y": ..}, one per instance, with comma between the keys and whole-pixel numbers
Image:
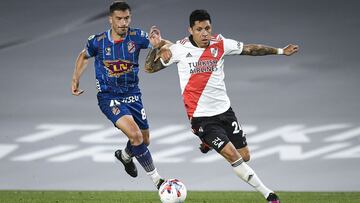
[
  {"x": 153, "y": 59},
  {"x": 80, "y": 65},
  {"x": 159, "y": 51},
  {"x": 262, "y": 50}
]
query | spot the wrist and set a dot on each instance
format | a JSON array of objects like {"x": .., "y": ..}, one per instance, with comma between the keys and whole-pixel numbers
[{"x": 280, "y": 51}]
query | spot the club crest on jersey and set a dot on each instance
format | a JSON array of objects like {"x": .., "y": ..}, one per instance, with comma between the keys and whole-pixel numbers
[
  {"x": 131, "y": 47},
  {"x": 214, "y": 51},
  {"x": 116, "y": 68},
  {"x": 108, "y": 51}
]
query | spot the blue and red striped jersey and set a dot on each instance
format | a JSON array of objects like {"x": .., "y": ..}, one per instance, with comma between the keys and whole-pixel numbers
[{"x": 116, "y": 63}]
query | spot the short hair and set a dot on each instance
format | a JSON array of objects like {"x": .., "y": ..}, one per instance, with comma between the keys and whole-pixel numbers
[
  {"x": 199, "y": 15},
  {"x": 119, "y": 6}
]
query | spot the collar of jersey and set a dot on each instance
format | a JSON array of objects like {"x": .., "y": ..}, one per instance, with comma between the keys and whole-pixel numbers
[
  {"x": 194, "y": 43},
  {"x": 111, "y": 40}
]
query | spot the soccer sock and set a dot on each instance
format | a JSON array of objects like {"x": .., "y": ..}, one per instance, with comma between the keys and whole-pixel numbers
[
  {"x": 127, "y": 154},
  {"x": 142, "y": 154},
  {"x": 154, "y": 175},
  {"x": 248, "y": 175}
]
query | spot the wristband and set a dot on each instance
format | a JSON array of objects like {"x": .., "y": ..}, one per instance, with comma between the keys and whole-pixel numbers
[{"x": 280, "y": 51}]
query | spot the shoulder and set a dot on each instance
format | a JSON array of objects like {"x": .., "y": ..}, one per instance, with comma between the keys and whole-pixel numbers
[
  {"x": 137, "y": 33},
  {"x": 183, "y": 41},
  {"x": 97, "y": 37},
  {"x": 217, "y": 38}
]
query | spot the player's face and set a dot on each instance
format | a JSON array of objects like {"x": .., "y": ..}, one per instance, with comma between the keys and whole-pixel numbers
[
  {"x": 120, "y": 21},
  {"x": 201, "y": 32}
]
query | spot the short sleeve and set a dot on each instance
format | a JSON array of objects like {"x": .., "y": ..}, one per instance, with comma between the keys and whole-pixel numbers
[
  {"x": 175, "y": 55},
  {"x": 232, "y": 47},
  {"x": 144, "y": 40},
  {"x": 91, "y": 46}
]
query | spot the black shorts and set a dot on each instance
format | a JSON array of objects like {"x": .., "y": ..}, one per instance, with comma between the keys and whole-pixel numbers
[{"x": 218, "y": 130}]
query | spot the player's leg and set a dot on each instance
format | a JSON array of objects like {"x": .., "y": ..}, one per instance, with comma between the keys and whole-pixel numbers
[
  {"x": 245, "y": 153},
  {"x": 215, "y": 135},
  {"x": 246, "y": 173},
  {"x": 138, "y": 148},
  {"x": 235, "y": 133},
  {"x": 138, "y": 113},
  {"x": 146, "y": 136},
  {"x": 238, "y": 139},
  {"x": 114, "y": 110}
]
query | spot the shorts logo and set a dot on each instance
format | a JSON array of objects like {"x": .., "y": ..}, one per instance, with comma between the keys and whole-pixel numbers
[
  {"x": 131, "y": 47},
  {"x": 214, "y": 51},
  {"x": 115, "y": 110},
  {"x": 218, "y": 142},
  {"x": 114, "y": 107}
]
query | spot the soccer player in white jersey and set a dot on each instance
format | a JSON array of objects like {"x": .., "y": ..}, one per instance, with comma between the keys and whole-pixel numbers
[{"x": 200, "y": 59}]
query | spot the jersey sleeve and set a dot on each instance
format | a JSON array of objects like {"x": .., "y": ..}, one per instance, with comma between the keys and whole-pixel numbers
[
  {"x": 175, "y": 54},
  {"x": 91, "y": 46},
  {"x": 144, "y": 39},
  {"x": 232, "y": 47}
]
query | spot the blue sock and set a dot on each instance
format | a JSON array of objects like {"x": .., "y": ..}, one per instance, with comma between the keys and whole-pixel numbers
[
  {"x": 128, "y": 149},
  {"x": 142, "y": 154}
]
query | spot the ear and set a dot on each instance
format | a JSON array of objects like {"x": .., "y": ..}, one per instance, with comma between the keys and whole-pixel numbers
[
  {"x": 190, "y": 30},
  {"x": 110, "y": 20}
]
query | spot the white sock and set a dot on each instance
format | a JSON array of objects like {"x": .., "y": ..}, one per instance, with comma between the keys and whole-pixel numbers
[
  {"x": 154, "y": 175},
  {"x": 248, "y": 175},
  {"x": 125, "y": 156}
]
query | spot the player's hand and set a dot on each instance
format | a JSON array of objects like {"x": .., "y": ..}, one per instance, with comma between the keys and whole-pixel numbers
[
  {"x": 204, "y": 148},
  {"x": 155, "y": 36},
  {"x": 290, "y": 49},
  {"x": 164, "y": 53},
  {"x": 75, "y": 88}
]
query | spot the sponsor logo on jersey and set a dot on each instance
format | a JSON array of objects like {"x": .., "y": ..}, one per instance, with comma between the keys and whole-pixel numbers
[
  {"x": 108, "y": 51},
  {"x": 132, "y": 33},
  {"x": 203, "y": 66},
  {"x": 239, "y": 45},
  {"x": 188, "y": 55},
  {"x": 116, "y": 68},
  {"x": 131, "y": 47}
]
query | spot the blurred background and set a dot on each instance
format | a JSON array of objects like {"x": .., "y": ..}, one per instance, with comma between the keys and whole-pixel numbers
[{"x": 301, "y": 113}]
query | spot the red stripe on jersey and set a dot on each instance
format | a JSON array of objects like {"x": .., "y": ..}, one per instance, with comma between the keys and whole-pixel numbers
[{"x": 197, "y": 81}]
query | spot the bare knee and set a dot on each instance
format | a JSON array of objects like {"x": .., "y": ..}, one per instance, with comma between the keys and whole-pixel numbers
[
  {"x": 135, "y": 138},
  {"x": 146, "y": 141},
  {"x": 230, "y": 153},
  {"x": 245, "y": 153},
  {"x": 246, "y": 157},
  {"x": 146, "y": 137}
]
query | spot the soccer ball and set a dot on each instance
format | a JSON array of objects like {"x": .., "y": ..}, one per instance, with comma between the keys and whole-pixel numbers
[{"x": 172, "y": 191}]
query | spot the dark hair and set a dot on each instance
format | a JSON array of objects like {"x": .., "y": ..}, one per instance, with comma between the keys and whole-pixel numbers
[
  {"x": 119, "y": 6},
  {"x": 199, "y": 15}
]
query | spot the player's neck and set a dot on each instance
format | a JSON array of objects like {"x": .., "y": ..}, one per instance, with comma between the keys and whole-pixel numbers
[
  {"x": 116, "y": 37},
  {"x": 194, "y": 43}
]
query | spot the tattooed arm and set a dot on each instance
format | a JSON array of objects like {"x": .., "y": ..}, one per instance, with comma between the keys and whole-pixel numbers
[
  {"x": 262, "y": 50},
  {"x": 152, "y": 62},
  {"x": 152, "y": 65}
]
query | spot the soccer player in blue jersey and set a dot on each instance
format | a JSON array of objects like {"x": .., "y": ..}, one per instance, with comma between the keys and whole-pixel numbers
[{"x": 116, "y": 54}]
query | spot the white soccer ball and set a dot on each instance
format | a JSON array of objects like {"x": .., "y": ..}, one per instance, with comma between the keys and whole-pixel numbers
[{"x": 172, "y": 191}]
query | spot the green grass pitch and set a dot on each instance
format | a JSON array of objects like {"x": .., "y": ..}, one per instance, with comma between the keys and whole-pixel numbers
[{"x": 152, "y": 197}]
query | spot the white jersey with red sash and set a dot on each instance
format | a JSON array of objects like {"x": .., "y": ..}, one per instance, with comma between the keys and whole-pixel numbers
[{"x": 201, "y": 73}]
